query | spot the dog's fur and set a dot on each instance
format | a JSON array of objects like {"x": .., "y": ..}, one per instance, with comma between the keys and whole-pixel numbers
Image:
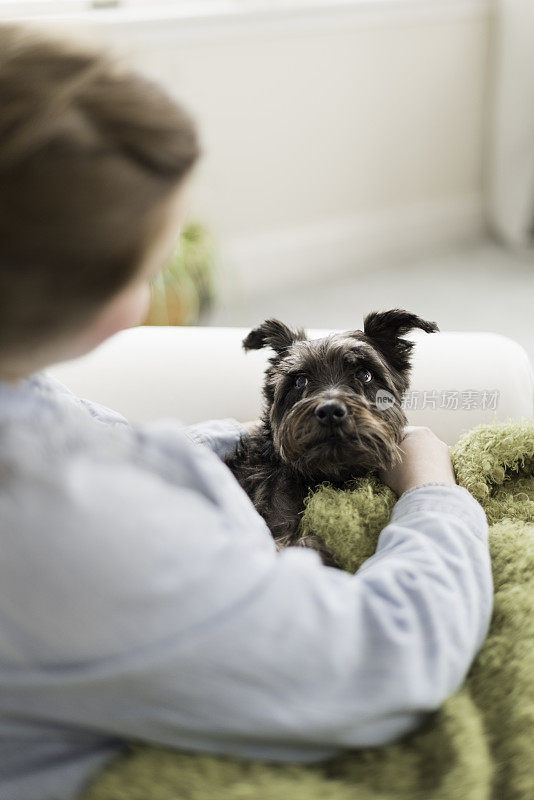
[{"x": 321, "y": 419}]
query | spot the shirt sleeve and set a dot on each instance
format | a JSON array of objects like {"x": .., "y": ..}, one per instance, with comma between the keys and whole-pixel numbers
[
  {"x": 220, "y": 435},
  {"x": 166, "y": 615},
  {"x": 51, "y": 387}
]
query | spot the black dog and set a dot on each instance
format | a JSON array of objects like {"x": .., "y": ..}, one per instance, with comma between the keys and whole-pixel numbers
[{"x": 332, "y": 412}]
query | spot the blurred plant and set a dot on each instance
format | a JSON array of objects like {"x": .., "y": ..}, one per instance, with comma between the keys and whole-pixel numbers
[{"x": 185, "y": 289}]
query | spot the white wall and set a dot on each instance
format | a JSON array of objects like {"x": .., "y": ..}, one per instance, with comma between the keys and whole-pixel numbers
[{"x": 330, "y": 146}]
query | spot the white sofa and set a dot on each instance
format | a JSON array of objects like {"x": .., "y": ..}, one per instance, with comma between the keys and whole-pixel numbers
[{"x": 459, "y": 379}]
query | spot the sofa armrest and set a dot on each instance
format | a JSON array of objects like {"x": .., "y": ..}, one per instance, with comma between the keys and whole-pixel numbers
[{"x": 194, "y": 373}]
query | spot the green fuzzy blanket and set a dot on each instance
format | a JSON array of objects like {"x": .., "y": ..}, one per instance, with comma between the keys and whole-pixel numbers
[{"x": 480, "y": 744}]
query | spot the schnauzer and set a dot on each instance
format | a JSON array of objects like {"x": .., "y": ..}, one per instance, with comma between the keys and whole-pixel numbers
[{"x": 332, "y": 412}]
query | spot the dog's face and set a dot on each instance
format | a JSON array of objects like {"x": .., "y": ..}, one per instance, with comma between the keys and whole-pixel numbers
[{"x": 333, "y": 405}]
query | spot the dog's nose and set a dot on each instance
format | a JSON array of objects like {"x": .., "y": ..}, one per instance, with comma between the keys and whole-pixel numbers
[{"x": 331, "y": 412}]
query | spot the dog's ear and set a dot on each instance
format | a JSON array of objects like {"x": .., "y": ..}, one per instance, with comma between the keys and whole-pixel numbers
[
  {"x": 385, "y": 330},
  {"x": 272, "y": 333}
]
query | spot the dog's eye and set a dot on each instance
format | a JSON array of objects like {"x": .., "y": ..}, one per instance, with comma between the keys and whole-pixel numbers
[
  {"x": 364, "y": 375},
  {"x": 301, "y": 381}
]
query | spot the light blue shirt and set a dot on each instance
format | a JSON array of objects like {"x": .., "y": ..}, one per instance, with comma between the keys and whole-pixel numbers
[{"x": 142, "y": 597}]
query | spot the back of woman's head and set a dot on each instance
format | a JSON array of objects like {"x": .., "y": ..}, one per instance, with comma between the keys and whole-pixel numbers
[{"x": 90, "y": 154}]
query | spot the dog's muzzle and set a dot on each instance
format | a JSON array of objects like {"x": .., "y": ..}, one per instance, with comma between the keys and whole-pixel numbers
[{"x": 332, "y": 435}]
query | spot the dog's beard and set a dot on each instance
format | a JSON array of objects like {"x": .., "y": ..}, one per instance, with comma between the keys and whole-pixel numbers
[{"x": 361, "y": 443}]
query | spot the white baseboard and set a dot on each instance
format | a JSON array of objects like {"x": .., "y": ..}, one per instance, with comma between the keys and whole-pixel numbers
[{"x": 284, "y": 258}]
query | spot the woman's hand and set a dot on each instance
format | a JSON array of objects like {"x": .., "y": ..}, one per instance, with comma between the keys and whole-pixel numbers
[{"x": 425, "y": 459}]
